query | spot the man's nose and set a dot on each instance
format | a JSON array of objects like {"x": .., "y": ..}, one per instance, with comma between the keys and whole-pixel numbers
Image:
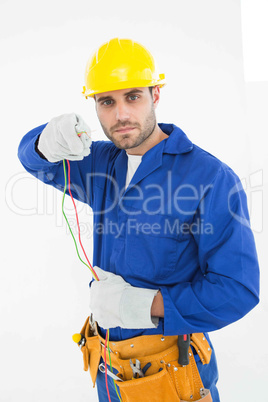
[{"x": 122, "y": 111}]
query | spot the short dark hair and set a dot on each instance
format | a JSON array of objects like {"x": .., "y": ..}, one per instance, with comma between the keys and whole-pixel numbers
[{"x": 151, "y": 90}]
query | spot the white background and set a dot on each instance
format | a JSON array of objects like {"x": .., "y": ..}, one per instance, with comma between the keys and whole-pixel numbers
[{"x": 214, "y": 55}]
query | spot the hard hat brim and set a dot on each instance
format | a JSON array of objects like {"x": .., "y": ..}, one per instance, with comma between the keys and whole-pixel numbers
[{"x": 123, "y": 85}]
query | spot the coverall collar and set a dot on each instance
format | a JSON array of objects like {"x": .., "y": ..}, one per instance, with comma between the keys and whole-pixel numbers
[{"x": 176, "y": 143}]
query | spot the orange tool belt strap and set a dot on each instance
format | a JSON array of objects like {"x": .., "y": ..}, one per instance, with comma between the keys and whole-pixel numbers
[{"x": 165, "y": 379}]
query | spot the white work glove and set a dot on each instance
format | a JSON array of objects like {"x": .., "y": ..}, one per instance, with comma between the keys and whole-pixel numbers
[
  {"x": 59, "y": 140},
  {"x": 115, "y": 303}
]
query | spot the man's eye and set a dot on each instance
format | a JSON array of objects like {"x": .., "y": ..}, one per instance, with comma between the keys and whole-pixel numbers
[
  {"x": 133, "y": 96},
  {"x": 107, "y": 104}
]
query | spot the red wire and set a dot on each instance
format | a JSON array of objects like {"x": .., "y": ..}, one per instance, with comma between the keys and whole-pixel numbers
[
  {"x": 105, "y": 362},
  {"x": 77, "y": 220},
  {"x": 80, "y": 241}
]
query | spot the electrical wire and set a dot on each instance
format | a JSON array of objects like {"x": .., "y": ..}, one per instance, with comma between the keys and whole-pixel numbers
[
  {"x": 65, "y": 217},
  {"x": 88, "y": 265},
  {"x": 105, "y": 363},
  {"x": 77, "y": 221},
  {"x": 111, "y": 368}
]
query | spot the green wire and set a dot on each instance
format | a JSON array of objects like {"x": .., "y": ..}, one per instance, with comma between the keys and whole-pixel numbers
[
  {"x": 109, "y": 354},
  {"x": 65, "y": 217},
  {"x": 63, "y": 198}
]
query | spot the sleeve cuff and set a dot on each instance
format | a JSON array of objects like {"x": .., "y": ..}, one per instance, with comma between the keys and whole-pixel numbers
[{"x": 37, "y": 150}]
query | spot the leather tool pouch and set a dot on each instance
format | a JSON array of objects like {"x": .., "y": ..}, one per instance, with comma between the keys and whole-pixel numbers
[
  {"x": 165, "y": 380},
  {"x": 91, "y": 350}
]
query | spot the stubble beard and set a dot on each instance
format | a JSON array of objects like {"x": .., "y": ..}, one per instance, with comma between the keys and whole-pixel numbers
[{"x": 126, "y": 141}]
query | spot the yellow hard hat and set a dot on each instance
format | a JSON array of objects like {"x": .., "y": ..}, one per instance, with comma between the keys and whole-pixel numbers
[{"x": 118, "y": 64}]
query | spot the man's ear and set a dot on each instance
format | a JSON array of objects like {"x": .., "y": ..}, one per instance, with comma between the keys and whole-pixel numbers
[{"x": 156, "y": 95}]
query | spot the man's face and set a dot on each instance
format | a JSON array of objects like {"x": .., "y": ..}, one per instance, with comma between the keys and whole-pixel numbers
[{"x": 127, "y": 116}]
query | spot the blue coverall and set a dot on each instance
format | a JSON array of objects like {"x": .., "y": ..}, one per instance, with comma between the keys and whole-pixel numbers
[{"x": 181, "y": 226}]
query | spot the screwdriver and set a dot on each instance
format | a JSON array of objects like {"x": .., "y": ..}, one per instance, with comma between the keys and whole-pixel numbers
[
  {"x": 79, "y": 339},
  {"x": 183, "y": 344}
]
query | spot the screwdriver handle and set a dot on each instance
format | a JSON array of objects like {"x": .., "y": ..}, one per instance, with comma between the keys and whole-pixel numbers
[{"x": 184, "y": 344}]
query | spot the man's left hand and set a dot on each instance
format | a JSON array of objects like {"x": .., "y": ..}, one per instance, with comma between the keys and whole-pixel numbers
[{"x": 115, "y": 303}]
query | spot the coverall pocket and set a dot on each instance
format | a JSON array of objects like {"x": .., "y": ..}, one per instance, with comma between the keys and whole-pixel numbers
[
  {"x": 151, "y": 247},
  {"x": 148, "y": 388}
]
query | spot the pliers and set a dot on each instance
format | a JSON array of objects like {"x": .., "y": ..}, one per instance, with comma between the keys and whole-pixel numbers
[{"x": 136, "y": 369}]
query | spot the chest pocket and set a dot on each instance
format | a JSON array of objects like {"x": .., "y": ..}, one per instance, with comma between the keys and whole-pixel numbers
[{"x": 153, "y": 246}]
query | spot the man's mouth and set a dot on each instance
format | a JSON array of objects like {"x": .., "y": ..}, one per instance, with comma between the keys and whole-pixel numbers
[{"x": 125, "y": 129}]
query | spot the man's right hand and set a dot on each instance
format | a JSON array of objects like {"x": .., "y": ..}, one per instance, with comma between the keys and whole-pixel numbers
[{"x": 60, "y": 140}]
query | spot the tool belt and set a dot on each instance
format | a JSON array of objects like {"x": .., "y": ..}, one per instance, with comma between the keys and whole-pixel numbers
[{"x": 165, "y": 379}]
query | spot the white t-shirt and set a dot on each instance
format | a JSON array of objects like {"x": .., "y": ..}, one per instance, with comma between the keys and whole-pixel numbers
[{"x": 132, "y": 166}]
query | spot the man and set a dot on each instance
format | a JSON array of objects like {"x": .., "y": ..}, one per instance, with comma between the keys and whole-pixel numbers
[{"x": 173, "y": 248}]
